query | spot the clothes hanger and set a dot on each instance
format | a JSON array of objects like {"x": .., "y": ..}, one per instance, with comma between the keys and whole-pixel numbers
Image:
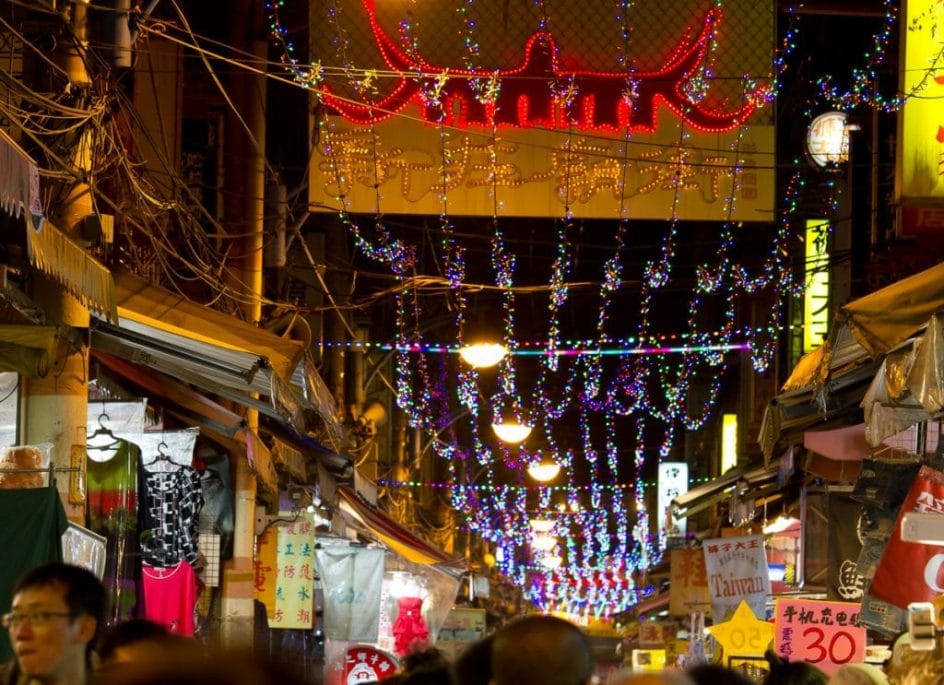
[
  {"x": 162, "y": 461},
  {"x": 102, "y": 430}
]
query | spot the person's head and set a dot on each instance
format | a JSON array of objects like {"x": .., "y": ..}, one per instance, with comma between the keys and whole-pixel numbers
[
  {"x": 858, "y": 674},
  {"x": 474, "y": 665},
  {"x": 426, "y": 667},
  {"x": 626, "y": 676},
  {"x": 139, "y": 640},
  {"x": 911, "y": 667},
  {"x": 715, "y": 674},
  {"x": 543, "y": 650},
  {"x": 54, "y": 619},
  {"x": 194, "y": 667},
  {"x": 784, "y": 672}
]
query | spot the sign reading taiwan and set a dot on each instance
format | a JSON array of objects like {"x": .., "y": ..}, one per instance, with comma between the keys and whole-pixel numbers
[
  {"x": 825, "y": 634},
  {"x": 737, "y": 570},
  {"x": 480, "y": 114}
]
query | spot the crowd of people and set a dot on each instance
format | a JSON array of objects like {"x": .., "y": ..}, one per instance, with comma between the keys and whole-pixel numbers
[{"x": 57, "y": 615}]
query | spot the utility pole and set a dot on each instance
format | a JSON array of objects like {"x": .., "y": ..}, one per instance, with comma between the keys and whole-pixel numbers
[
  {"x": 56, "y": 407},
  {"x": 243, "y": 210}
]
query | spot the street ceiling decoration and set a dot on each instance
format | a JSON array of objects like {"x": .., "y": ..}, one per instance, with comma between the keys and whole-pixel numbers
[
  {"x": 608, "y": 399},
  {"x": 520, "y": 96}
]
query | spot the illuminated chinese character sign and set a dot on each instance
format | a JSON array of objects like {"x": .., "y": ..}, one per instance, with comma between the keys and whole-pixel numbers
[
  {"x": 537, "y": 122},
  {"x": 673, "y": 481},
  {"x": 816, "y": 297},
  {"x": 295, "y": 576},
  {"x": 921, "y": 121}
]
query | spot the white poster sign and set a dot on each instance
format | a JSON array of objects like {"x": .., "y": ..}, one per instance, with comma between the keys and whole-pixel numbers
[
  {"x": 737, "y": 570},
  {"x": 351, "y": 579},
  {"x": 673, "y": 481}
]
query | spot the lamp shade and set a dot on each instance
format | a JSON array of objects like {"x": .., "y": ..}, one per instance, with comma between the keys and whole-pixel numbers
[
  {"x": 551, "y": 561},
  {"x": 544, "y": 470},
  {"x": 483, "y": 340},
  {"x": 510, "y": 422}
]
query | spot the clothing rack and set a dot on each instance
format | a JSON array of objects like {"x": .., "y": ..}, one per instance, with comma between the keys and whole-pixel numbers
[{"x": 51, "y": 469}]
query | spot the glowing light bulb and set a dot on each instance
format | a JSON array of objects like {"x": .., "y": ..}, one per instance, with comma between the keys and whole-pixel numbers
[
  {"x": 544, "y": 470},
  {"x": 483, "y": 355}
]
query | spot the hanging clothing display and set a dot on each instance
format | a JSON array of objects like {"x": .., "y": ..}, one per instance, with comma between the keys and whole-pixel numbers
[
  {"x": 410, "y": 629},
  {"x": 112, "y": 511},
  {"x": 170, "y": 595},
  {"x": 170, "y": 516},
  {"x": 32, "y": 522}
]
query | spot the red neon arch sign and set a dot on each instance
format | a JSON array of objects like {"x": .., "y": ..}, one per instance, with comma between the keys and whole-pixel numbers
[{"x": 599, "y": 100}]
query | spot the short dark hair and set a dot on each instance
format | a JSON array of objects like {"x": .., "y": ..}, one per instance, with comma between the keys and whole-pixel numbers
[
  {"x": 785, "y": 672},
  {"x": 134, "y": 631},
  {"x": 544, "y": 650},
  {"x": 84, "y": 592}
]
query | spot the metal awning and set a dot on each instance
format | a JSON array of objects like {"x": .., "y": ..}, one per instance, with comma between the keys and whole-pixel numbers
[
  {"x": 50, "y": 250},
  {"x": 705, "y": 495},
  {"x": 212, "y": 350},
  {"x": 215, "y": 421}
]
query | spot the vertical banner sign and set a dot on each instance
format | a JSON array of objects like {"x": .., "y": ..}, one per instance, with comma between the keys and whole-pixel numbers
[
  {"x": 688, "y": 589},
  {"x": 907, "y": 572},
  {"x": 295, "y": 577},
  {"x": 673, "y": 481},
  {"x": 352, "y": 580},
  {"x": 843, "y": 581},
  {"x": 825, "y": 634},
  {"x": 737, "y": 570},
  {"x": 816, "y": 296}
]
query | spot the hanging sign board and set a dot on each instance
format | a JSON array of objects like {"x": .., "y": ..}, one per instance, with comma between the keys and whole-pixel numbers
[
  {"x": 737, "y": 571},
  {"x": 365, "y": 664},
  {"x": 825, "y": 634}
]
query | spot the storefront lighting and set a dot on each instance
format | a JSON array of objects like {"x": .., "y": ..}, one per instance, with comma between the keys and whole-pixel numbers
[{"x": 780, "y": 524}]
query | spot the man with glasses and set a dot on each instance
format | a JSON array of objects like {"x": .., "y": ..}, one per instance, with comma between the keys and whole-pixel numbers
[{"x": 53, "y": 622}]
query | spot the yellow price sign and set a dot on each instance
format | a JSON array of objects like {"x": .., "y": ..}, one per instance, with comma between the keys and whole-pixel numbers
[{"x": 743, "y": 634}]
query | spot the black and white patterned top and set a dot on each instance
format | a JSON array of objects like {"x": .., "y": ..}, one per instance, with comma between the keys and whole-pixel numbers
[{"x": 171, "y": 511}]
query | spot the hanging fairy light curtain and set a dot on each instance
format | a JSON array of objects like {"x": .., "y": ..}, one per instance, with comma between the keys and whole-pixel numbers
[{"x": 595, "y": 411}]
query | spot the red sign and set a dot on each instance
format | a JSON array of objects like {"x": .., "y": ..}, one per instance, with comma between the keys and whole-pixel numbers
[
  {"x": 909, "y": 571},
  {"x": 364, "y": 664},
  {"x": 595, "y": 100},
  {"x": 825, "y": 634}
]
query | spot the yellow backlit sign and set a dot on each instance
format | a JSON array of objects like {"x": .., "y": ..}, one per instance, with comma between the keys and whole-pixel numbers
[
  {"x": 921, "y": 122},
  {"x": 816, "y": 298}
]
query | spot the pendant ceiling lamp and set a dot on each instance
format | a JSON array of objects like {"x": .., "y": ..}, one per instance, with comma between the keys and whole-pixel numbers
[
  {"x": 510, "y": 422},
  {"x": 483, "y": 341}
]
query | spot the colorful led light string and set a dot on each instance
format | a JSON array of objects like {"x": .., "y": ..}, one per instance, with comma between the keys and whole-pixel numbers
[{"x": 485, "y": 522}]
